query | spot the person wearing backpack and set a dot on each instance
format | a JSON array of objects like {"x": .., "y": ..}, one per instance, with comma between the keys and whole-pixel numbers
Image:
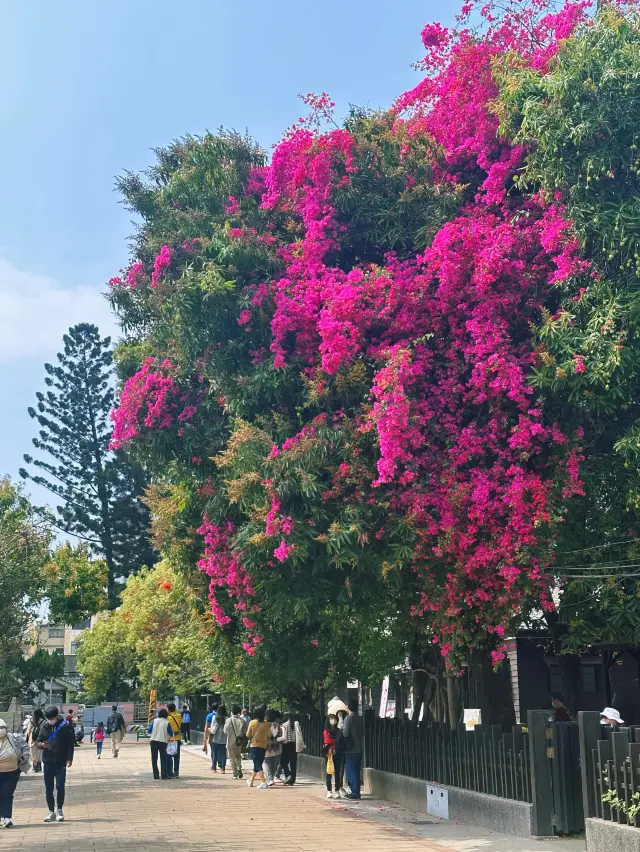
[
  {"x": 236, "y": 731},
  {"x": 14, "y": 759},
  {"x": 274, "y": 747},
  {"x": 116, "y": 728},
  {"x": 173, "y": 760},
  {"x": 57, "y": 742}
]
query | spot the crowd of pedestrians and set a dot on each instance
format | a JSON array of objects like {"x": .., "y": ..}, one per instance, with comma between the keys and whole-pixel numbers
[{"x": 272, "y": 742}]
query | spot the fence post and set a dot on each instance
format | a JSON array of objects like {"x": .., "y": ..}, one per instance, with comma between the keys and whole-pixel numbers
[
  {"x": 541, "y": 783},
  {"x": 589, "y": 734}
]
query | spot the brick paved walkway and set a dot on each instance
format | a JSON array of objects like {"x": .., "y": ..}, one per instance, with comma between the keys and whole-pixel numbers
[{"x": 116, "y": 805}]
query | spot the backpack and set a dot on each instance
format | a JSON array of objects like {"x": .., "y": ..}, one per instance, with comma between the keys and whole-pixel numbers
[
  {"x": 241, "y": 738},
  {"x": 114, "y": 723}
]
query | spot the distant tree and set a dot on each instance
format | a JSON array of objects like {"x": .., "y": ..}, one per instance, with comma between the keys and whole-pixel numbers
[
  {"x": 158, "y": 637},
  {"x": 24, "y": 542},
  {"x": 75, "y": 584},
  {"x": 98, "y": 489},
  {"x": 34, "y": 671}
]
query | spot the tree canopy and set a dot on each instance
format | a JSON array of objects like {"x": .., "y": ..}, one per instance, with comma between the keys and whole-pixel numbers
[
  {"x": 98, "y": 489},
  {"x": 385, "y": 383}
]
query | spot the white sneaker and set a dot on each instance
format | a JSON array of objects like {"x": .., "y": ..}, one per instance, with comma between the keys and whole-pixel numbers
[
  {"x": 59, "y": 816},
  {"x": 343, "y": 792},
  {"x": 249, "y": 783},
  {"x": 329, "y": 794},
  {"x": 263, "y": 786},
  {"x": 50, "y": 817},
  {"x": 336, "y": 795},
  {"x": 8, "y": 823}
]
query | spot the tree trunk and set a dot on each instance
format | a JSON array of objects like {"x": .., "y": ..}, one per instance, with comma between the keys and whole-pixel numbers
[
  {"x": 452, "y": 701},
  {"x": 106, "y": 536}
]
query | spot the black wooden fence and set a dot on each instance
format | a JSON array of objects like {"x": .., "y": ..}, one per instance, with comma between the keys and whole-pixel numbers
[
  {"x": 485, "y": 760},
  {"x": 539, "y": 763},
  {"x": 610, "y": 759}
]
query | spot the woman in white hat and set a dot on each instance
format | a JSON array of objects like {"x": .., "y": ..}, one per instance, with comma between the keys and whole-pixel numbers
[
  {"x": 14, "y": 759},
  {"x": 610, "y": 716}
]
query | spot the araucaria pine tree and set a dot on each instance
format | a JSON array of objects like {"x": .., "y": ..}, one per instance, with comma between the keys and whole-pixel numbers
[{"x": 98, "y": 489}]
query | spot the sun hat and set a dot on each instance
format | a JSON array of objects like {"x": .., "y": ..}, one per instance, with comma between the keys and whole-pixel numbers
[
  {"x": 612, "y": 713},
  {"x": 3, "y": 724}
]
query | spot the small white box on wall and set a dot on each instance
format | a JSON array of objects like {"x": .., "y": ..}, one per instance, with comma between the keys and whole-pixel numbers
[{"x": 437, "y": 802}]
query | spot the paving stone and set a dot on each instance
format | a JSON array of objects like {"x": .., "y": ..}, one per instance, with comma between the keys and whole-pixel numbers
[{"x": 117, "y": 806}]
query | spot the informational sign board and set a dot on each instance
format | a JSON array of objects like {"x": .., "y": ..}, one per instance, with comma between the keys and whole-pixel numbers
[
  {"x": 471, "y": 719},
  {"x": 384, "y": 697},
  {"x": 153, "y": 697},
  {"x": 391, "y": 710}
]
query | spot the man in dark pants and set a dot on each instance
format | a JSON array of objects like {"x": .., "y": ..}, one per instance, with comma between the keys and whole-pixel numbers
[
  {"x": 57, "y": 741},
  {"x": 353, "y": 733}
]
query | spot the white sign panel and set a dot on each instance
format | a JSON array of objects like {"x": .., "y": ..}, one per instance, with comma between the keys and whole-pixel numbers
[{"x": 471, "y": 719}]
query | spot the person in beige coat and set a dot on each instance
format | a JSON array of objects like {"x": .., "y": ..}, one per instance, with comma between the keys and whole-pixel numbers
[{"x": 14, "y": 759}]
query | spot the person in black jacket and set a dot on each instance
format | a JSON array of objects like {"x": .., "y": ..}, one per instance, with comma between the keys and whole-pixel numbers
[{"x": 57, "y": 741}]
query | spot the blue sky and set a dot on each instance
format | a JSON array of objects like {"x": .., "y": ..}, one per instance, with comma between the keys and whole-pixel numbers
[{"x": 91, "y": 87}]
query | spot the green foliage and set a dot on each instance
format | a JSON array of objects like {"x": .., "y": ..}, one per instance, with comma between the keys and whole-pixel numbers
[
  {"x": 33, "y": 671},
  {"x": 75, "y": 584},
  {"x": 24, "y": 542},
  {"x": 98, "y": 490},
  {"x": 156, "y": 638},
  {"x": 578, "y": 122}
]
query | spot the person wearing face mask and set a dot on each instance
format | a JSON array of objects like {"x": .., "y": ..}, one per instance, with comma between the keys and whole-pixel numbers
[
  {"x": 57, "y": 741},
  {"x": 14, "y": 759}
]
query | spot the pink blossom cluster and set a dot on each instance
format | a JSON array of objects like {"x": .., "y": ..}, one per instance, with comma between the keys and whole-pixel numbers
[
  {"x": 223, "y": 564},
  {"x": 160, "y": 265},
  {"x": 150, "y": 399}
]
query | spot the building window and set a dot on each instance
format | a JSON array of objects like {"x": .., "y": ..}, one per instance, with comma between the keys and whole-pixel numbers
[
  {"x": 74, "y": 647},
  {"x": 59, "y": 651},
  {"x": 83, "y": 624},
  {"x": 56, "y": 632}
]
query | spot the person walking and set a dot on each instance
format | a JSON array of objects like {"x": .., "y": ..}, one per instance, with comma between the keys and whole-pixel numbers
[
  {"x": 160, "y": 731},
  {"x": 33, "y": 729},
  {"x": 236, "y": 732},
  {"x": 186, "y": 725},
  {"x": 353, "y": 733},
  {"x": 57, "y": 741},
  {"x": 98, "y": 738},
  {"x": 219, "y": 740},
  {"x": 289, "y": 756},
  {"x": 332, "y": 750},
  {"x": 14, "y": 759},
  {"x": 173, "y": 760},
  {"x": 116, "y": 728},
  {"x": 274, "y": 747},
  {"x": 258, "y": 735}
]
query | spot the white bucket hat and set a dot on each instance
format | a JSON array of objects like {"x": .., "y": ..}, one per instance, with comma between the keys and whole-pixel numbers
[
  {"x": 3, "y": 724},
  {"x": 612, "y": 713}
]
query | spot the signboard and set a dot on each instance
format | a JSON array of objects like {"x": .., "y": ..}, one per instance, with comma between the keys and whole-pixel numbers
[
  {"x": 391, "y": 710},
  {"x": 383, "y": 698},
  {"x": 471, "y": 719},
  {"x": 153, "y": 696}
]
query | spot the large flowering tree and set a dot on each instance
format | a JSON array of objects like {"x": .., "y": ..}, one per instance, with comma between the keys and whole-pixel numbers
[{"x": 341, "y": 358}]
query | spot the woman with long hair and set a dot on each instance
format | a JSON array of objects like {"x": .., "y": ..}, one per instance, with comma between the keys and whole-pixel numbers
[
  {"x": 258, "y": 735},
  {"x": 33, "y": 729},
  {"x": 219, "y": 740},
  {"x": 332, "y": 750}
]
